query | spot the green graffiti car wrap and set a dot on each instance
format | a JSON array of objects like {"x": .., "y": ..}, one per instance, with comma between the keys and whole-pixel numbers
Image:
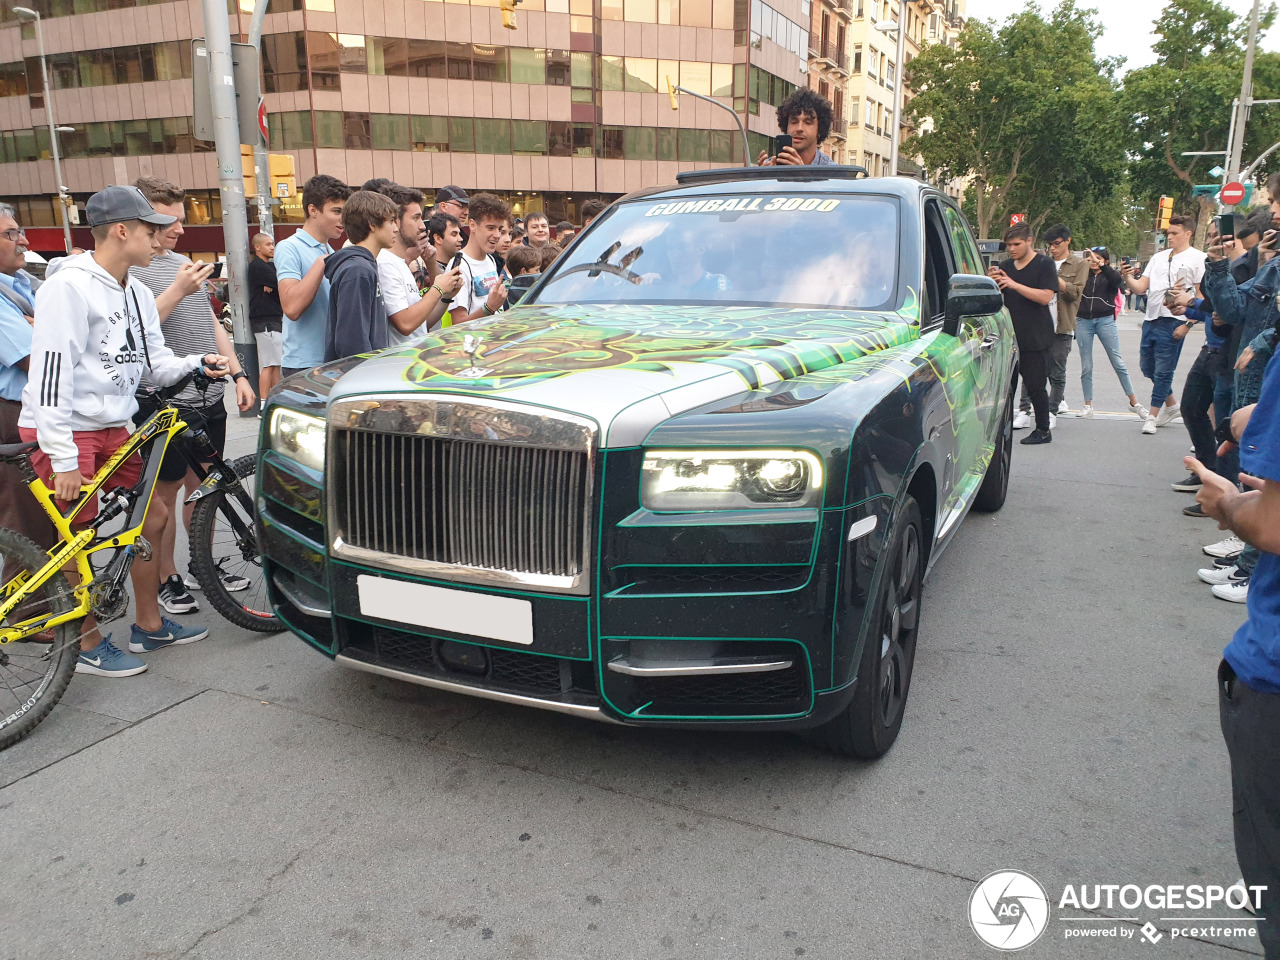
[{"x": 636, "y": 504}]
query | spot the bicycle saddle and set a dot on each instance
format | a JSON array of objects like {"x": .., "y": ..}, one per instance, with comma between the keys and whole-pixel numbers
[{"x": 10, "y": 452}]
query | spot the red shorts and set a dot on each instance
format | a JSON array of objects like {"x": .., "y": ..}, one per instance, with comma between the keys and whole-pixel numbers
[{"x": 96, "y": 448}]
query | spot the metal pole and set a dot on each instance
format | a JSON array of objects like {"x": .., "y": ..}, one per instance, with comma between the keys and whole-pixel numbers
[
  {"x": 1231, "y": 138},
  {"x": 226, "y": 139},
  {"x": 53, "y": 136},
  {"x": 1236, "y": 146},
  {"x": 897, "y": 88},
  {"x": 746, "y": 155},
  {"x": 261, "y": 161}
]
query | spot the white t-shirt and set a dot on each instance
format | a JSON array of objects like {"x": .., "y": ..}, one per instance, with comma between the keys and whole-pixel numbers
[
  {"x": 399, "y": 292},
  {"x": 1053, "y": 304},
  {"x": 478, "y": 278},
  {"x": 1164, "y": 270}
]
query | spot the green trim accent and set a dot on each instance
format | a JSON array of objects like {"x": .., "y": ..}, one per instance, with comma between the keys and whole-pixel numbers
[
  {"x": 303, "y": 635},
  {"x": 472, "y": 643},
  {"x": 294, "y": 535}
]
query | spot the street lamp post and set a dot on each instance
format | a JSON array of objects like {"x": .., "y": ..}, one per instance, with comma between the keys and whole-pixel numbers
[
  {"x": 886, "y": 26},
  {"x": 33, "y": 16}
]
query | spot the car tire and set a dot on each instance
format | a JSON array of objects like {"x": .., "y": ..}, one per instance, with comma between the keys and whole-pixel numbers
[
  {"x": 867, "y": 728},
  {"x": 995, "y": 485}
]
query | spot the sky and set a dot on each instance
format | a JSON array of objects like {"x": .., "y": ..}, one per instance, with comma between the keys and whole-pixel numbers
[{"x": 1126, "y": 24}]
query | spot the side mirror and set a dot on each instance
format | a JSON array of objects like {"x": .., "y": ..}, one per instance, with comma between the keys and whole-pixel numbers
[{"x": 970, "y": 296}]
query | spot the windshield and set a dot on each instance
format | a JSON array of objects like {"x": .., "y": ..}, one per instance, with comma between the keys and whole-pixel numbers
[{"x": 791, "y": 250}]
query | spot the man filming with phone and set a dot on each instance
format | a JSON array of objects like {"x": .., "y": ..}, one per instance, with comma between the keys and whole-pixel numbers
[{"x": 805, "y": 121}]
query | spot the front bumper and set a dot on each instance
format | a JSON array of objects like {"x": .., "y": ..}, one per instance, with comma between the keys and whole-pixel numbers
[{"x": 732, "y": 625}]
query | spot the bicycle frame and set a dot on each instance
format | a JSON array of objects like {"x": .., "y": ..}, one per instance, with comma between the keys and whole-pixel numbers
[{"x": 162, "y": 426}]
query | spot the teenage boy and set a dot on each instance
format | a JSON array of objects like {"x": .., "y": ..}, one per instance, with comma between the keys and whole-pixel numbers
[
  {"x": 357, "y": 315},
  {"x": 592, "y": 209},
  {"x": 537, "y": 230},
  {"x": 444, "y": 232},
  {"x": 411, "y": 311},
  {"x": 565, "y": 232},
  {"x": 1029, "y": 281},
  {"x": 304, "y": 289},
  {"x": 265, "y": 313},
  {"x": 189, "y": 326},
  {"x": 807, "y": 116},
  {"x": 96, "y": 332},
  {"x": 483, "y": 293},
  {"x": 525, "y": 265},
  {"x": 1163, "y": 331}
]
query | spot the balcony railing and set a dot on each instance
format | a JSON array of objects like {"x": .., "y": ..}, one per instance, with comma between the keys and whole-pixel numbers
[
  {"x": 835, "y": 58},
  {"x": 840, "y": 128}
]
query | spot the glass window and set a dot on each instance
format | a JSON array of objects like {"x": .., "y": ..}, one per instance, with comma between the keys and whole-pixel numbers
[
  {"x": 489, "y": 63},
  {"x": 581, "y": 68},
  {"x": 642, "y": 75},
  {"x": 668, "y": 70},
  {"x": 713, "y": 255},
  {"x": 584, "y": 140},
  {"x": 328, "y": 124},
  {"x": 390, "y": 131},
  {"x": 666, "y": 137},
  {"x": 695, "y": 13},
  {"x": 459, "y": 60},
  {"x": 128, "y": 66},
  {"x": 669, "y": 11},
  {"x": 322, "y": 51},
  {"x": 462, "y": 135},
  {"x": 493, "y": 136},
  {"x": 640, "y": 143},
  {"x": 696, "y": 76},
  {"x": 25, "y": 144},
  {"x": 722, "y": 79},
  {"x": 720, "y": 147},
  {"x": 611, "y": 143},
  {"x": 611, "y": 73},
  {"x": 557, "y": 6},
  {"x": 529, "y": 137},
  {"x": 427, "y": 59},
  {"x": 559, "y": 138},
  {"x": 558, "y": 67},
  {"x": 694, "y": 145},
  {"x": 641, "y": 11},
  {"x": 527, "y": 65},
  {"x": 430, "y": 134},
  {"x": 387, "y": 56},
  {"x": 722, "y": 14},
  {"x": 352, "y": 55},
  {"x": 611, "y": 9},
  {"x": 355, "y": 131}
]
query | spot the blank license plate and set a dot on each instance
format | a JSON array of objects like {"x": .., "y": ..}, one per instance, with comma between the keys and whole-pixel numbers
[{"x": 438, "y": 608}]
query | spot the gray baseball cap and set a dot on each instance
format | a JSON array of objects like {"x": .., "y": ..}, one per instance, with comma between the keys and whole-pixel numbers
[{"x": 116, "y": 204}]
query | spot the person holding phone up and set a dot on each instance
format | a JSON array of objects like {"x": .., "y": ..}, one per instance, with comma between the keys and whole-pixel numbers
[{"x": 805, "y": 121}]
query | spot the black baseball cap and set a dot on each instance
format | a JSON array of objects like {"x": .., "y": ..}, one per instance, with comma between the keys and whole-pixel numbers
[
  {"x": 451, "y": 192},
  {"x": 116, "y": 204}
]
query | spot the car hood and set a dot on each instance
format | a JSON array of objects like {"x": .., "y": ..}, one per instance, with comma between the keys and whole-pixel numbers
[{"x": 630, "y": 367}]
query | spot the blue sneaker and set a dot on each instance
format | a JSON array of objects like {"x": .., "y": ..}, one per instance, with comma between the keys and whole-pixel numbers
[
  {"x": 170, "y": 634},
  {"x": 107, "y": 660}
]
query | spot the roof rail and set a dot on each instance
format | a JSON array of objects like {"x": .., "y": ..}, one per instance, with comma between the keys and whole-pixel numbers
[{"x": 782, "y": 172}]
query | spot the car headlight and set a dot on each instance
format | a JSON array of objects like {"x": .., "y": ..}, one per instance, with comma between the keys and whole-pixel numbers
[
  {"x": 298, "y": 436},
  {"x": 680, "y": 480}
]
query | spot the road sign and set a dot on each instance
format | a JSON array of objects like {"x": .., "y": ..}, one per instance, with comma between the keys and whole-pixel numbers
[
  {"x": 262, "y": 120},
  {"x": 1216, "y": 172},
  {"x": 1233, "y": 193},
  {"x": 1017, "y": 218},
  {"x": 244, "y": 68}
]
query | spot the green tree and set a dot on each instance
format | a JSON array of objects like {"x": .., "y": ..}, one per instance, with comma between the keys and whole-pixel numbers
[
  {"x": 1027, "y": 111},
  {"x": 1182, "y": 102}
]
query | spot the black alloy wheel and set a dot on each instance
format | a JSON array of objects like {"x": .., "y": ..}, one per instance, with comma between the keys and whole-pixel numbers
[{"x": 995, "y": 485}]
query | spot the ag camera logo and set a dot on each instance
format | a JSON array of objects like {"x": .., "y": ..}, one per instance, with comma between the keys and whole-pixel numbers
[{"x": 1009, "y": 910}]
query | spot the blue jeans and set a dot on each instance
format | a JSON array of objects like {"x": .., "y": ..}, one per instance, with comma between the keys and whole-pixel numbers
[
  {"x": 1158, "y": 357},
  {"x": 1104, "y": 328},
  {"x": 1223, "y": 407}
]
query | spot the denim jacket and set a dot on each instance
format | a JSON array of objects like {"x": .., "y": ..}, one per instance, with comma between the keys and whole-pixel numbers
[{"x": 1252, "y": 306}]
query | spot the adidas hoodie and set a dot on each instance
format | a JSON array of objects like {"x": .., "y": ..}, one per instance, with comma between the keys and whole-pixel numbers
[{"x": 91, "y": 341}]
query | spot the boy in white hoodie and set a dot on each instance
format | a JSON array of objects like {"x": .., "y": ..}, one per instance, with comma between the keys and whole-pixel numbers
[{"x": 96, "y": 330}]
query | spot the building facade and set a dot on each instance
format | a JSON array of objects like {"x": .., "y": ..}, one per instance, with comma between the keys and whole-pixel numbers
[{"x": 571, "y": 105}]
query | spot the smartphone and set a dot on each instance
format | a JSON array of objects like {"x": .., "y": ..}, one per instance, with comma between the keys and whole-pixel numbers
[
  {"x": 1226, "y": 224},
  {"x": 781, "y": 142},
  {"x": 456, "y": 261}
]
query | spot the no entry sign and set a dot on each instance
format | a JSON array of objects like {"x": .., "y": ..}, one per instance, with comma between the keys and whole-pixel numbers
[{"x": 1233, "y": 193}]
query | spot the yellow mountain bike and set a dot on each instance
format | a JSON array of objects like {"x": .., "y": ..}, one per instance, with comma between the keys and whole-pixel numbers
[{"x": 41, "y": 612}]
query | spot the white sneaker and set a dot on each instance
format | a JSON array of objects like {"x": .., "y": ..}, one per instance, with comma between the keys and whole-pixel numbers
[
  {"x": 1235, "y": 592},
  {"x": 1224, "y": 548},
  {"x": 1053, "y": 421},
  {"x": 1216, "y": 575},
  {"x": 1166, "y": 414},
  {"x": 1141, "y": 411},
  {"x": 1087, "y": 412},
  {"x": 1150, "y": 425},
  {"x": 1021, "y": 420},
  {"x": 1063, "y": 408}
]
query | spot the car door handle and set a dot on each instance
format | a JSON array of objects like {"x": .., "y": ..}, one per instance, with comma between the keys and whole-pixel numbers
[{"x": 988, "y": 342}]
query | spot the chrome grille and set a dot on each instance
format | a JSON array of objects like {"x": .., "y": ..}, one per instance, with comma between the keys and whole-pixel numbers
[{"x": 420, "y": 497}]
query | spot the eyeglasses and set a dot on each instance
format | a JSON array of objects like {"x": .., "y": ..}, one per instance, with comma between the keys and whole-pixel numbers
[
  {"x": 1054, "y": 243},
  {"x": 13, "y": 236}
]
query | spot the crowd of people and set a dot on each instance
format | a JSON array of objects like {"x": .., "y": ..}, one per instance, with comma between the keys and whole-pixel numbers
[{"x": 84, "y": 351}]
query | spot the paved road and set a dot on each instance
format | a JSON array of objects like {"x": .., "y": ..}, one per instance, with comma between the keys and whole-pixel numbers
[{"x": 246, "y": 798}]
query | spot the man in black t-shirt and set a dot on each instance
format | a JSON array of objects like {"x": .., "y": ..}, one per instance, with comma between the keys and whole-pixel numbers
[
  {"x": 265, "y": 313},
  {"x": 1029, "y": 281}
]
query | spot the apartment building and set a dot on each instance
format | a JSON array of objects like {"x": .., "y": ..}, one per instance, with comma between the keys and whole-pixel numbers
[
  {"x": 852, "y": 63},
  {"x": 571, "y": 105}
]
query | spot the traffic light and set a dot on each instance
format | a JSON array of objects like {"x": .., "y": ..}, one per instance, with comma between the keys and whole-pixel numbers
[
  {"x": 671, "y": 91},
  {"x": 1166, "y": 211},
  {"x": 508, "y": 8}
]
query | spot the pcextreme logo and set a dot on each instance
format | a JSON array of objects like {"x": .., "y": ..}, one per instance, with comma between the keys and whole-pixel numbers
[{"x": 1009, "y": 910}]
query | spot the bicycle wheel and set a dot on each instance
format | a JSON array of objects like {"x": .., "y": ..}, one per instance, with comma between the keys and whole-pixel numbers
[
  {"x": 225, "y": 560},
  {"x": 34, "y": 673}
]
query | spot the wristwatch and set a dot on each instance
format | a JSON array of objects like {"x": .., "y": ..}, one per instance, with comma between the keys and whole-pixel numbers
[{"x": 239, "y": 375}]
